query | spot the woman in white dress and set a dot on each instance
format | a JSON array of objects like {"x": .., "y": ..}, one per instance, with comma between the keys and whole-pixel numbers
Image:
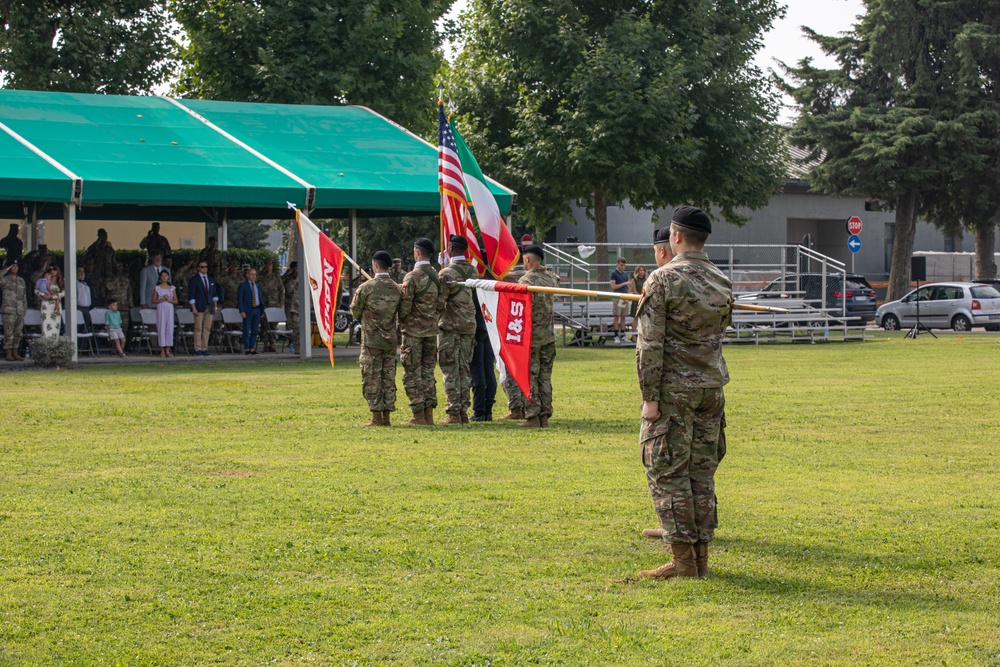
[
  {"x": 48, "y": 293},
  {"x": 165, "y": 298}
]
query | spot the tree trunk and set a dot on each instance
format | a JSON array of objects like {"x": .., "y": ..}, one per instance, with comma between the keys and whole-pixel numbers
[
  {"x": 986, "y": 265},
  {"x": 601, "y": 236},
  {"x": 902, "y": 247}
]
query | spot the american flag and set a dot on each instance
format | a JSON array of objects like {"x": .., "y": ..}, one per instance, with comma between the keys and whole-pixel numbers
[{"x": 455, "y": 218}]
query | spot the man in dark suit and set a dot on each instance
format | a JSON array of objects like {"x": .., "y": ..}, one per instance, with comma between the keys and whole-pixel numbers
[
  {"x": 204, "y": 299},
  {"x": 250, "y": 301}
]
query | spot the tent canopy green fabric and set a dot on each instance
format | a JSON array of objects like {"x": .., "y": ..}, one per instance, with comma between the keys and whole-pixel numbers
[{"x": 157, "y": 158}]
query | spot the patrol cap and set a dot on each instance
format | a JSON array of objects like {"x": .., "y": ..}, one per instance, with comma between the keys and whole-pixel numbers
[
  {"x": 383, "y": 258},
  {"x": 692, "y": 218},
  {"x": 424, "y": 244},
  {"x": 293, "y": 265},
  {"x": 10, "y": 262},
  {"x": 661, "y": 235},
  {"x": 397, "y": 260},
  {"x": 535, "y": 250},
  {"x": 458, "y": 241}
]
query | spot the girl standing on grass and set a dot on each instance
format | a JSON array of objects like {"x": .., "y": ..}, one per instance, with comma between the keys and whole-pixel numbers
[{"x": 165, "y": 298}]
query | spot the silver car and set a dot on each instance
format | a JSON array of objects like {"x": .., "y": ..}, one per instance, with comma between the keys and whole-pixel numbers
[{"x": 958, "y": 306}]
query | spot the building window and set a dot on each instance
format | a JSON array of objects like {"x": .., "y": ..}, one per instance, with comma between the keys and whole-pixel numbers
[{"x": 949, "y": 243}]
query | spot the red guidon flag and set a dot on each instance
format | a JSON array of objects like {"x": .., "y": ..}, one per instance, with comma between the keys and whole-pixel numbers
[
  {"x": 507, "y": 310},
  {"x": 323, "y": 260}
]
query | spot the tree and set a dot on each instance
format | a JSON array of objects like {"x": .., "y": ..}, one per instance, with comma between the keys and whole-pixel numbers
[
  {"x": 248, "y": 234},
  {"x": 379, "y": 54},
  {"x": 654, "y": 102},
  {"x": 909, "y": 116},
  {"x": 122, "y": 47}
]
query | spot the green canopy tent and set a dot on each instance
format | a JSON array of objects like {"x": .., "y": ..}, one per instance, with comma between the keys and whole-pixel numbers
[{"x": 107, "y": 157}]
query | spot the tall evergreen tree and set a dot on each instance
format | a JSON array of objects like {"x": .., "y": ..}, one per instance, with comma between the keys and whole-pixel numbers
[
  {"x": 909, "y": 116},
  {"x": 655, "y": 102},
  {"x": 85, "y": 46}
]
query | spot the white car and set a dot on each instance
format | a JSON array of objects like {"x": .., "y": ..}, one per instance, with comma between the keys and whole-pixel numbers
[{"x": 958, "y": 306}]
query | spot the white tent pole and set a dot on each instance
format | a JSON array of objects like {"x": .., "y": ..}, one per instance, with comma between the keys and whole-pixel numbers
[
  {"x": 223, "y": 241},
  {"x": 69, "y": 267},
  {"x": 305, "y": 303}
]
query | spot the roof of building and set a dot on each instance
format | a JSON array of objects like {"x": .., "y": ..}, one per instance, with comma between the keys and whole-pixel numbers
[{"x": 160, "y": 158}]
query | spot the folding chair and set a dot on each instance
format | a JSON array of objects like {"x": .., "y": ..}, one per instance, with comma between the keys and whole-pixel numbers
[
  {"x": 136, "y": 331},
  {"x": 185, "y": 327},
  {"x": 277, "y": 325},
  {"x": 83, "y": 334},
  {"x": 99, "y": 328},
  {"x": 232, "y": 327},
  {"x": 32, "y": 326},
  {"x": 147, "y": 316}
]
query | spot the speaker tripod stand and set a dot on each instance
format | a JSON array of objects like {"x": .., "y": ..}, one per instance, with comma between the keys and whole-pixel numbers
[{"x": 918, "y": 327}]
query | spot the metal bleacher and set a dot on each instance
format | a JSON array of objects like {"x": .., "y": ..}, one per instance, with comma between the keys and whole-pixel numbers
[{"x": 587, "y": 322}]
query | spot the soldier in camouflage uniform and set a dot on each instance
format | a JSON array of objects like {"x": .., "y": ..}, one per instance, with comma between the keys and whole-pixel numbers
[
  {"x": 229, "y": 285},
  {"x": 212, "y": 256},
  {"x": 155, "y": 243},
  {"x": 543, "y": 338},
  {"x": 418, "y": 322},
  {"x": 101, "y": 256},
  {"x": 15, "y": 303},
  {"x": 181, "y": 279},
  {"x": 457, "y": 326},
  {"x": 376, "y": 304},
  {"x": 290, "y": 281},
  {"x": 119, "y": 287},
  {"x": 396, "y": 272},
  {"x": 685, "y": 308},
  {"x": 516, "y": 401},
  {"x": 274, "y": 297}
]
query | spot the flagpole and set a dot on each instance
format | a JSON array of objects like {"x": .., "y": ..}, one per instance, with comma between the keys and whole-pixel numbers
[
  {"x": 355, "y": 265},
  {"x": 596, "y": 294}
]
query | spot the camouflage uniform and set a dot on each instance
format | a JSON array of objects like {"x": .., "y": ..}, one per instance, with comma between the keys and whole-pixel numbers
[
  {"x": 180, "y": 282},
  {"x": 376, "y": 304},
  {"x": 458, "y": 332},
  {"x": 15, "y": 303},
  {"x": 515, "y": 397},
  {"x": 290, "y": 281},
  {"x": 214, "y": 260},
  {"x": 119, "y": 287},
  {"x": 228, "y": 284},
  {"x": 154, "y": 243},
  {"x": 397, "y": 276},
  {"x": 543, "y": 344},
  {"x": 274, "y": 297},
  {"x": 418, "y": 321},
  {"x": 685, "y": 308},
  {"x": 101, "y": 256}
]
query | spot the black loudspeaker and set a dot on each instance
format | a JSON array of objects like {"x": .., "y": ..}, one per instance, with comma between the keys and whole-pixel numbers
[{"x": 918, "y": 268}]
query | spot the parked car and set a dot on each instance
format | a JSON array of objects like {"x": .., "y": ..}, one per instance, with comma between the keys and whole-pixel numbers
[
  {"x": 958, "y": 306},
  {"x": 853, "y": 299}
]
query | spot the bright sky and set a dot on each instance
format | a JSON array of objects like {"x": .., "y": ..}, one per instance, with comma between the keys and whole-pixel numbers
[{"x": 785, "y": 41}]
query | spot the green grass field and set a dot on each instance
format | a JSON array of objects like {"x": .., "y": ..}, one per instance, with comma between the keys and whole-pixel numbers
[{"x": 238, "y": 515}]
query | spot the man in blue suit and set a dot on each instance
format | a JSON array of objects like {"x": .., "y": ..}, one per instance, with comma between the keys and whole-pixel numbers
[
  {"x": 204, "y": 299},
  {"x": 250, "y": 301}
]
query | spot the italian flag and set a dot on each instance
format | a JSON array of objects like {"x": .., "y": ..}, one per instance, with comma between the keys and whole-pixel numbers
[{"x": 500, "y": 249}]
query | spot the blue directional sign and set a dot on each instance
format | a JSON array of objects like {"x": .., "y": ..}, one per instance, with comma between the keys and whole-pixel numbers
[{"x": 854, "y": 243}]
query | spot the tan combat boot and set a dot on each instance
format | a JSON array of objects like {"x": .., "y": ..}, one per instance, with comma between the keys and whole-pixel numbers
[
  {"x": 465, "y": 417},
  {"x": 701, "y": 558},
  {"x": 653, "y": 533},
  {"x": 419, "y": 418},
  {"x": 531, "y": 423},
  {"x": 18, "y": 357},
  {"x": 452, "y": 419},
  {"x": 543, "y": 421},
  {"x": 516, "y": 413},
  {"x": 376, "y": 419},
  {"x": 683, "y": 564},
  {"x": 429, "y": 416},
  {"x": 10, "y": 355},
  {"x": 385, "y": 418}
]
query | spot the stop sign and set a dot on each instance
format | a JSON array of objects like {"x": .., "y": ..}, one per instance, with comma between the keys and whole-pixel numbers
[
  {"x": 854, "y": 225},
  {"x": 526, "y": 240}
]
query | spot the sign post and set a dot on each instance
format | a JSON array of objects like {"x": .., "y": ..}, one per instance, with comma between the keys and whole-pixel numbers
[{"x": 853, "y": 226}]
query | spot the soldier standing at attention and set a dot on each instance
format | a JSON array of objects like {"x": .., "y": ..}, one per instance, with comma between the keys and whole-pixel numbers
[
  {"x": 458, "y": 330},
  {"x": 685, "y": 308},
  {"x": 376, "y": 304},
  {"x": 396, "y": 272},
  {"x": 543, "y": 338},
  {"x": 274, "y": 297},
  {"x": 15, "y": 303},
  {"x": 290, "y": 281},
  {"x": 418, "y": 321}
]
